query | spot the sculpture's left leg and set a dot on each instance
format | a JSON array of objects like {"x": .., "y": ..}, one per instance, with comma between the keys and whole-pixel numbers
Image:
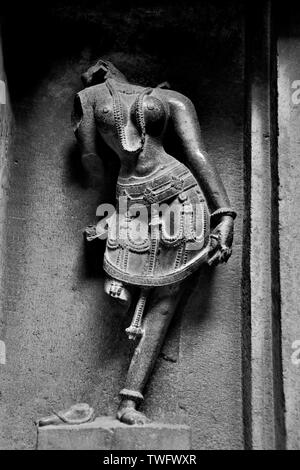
[{"x": 159, "y": 312}]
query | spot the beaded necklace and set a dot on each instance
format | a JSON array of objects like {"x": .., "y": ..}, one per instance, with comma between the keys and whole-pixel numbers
[{"x": 119, "y": 117}]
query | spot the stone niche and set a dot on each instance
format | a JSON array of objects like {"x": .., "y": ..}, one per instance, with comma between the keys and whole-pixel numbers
[{"x": 65, "y": 341}]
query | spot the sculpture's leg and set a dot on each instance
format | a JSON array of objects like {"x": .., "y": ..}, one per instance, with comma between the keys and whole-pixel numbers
[{"x": 160, "y": 311}]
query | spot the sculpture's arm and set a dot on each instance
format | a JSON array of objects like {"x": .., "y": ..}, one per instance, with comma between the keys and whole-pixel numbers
[
  {"x": 185, "y": 121},
  {"x": 84, "y": 126},
  {"x": 186, "y": 125}
]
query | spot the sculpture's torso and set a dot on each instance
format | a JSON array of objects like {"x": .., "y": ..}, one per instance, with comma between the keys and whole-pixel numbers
[
  {"x": 148, "y": 251},
  {"x": 119, "y": 109}
]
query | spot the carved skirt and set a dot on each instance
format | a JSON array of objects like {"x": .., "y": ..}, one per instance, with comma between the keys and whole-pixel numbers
[{"x": 159, "y": 233}]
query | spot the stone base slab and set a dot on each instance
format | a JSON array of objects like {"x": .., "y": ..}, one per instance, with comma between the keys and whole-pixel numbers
[{"x": 106, "y": 433}]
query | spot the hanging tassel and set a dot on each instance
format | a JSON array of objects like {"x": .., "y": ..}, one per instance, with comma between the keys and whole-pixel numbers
[{"x": 135, "y": 330}]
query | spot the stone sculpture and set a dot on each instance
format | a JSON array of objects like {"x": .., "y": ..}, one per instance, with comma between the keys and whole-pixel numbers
[{"x": 170, "y": 218}]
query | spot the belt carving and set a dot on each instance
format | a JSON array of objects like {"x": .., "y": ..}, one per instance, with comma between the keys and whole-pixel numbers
[{"x": 161, "y": 234}]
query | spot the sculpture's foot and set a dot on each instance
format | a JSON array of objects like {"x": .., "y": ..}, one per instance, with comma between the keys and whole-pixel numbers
[{"x": 129, "y": 415}]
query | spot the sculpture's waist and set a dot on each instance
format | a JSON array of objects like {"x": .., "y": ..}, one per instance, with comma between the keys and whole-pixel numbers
[{"x": 158, "y": 186}]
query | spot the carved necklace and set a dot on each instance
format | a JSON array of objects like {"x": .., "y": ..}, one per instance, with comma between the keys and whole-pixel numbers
[{"x": 119, "y": 117}]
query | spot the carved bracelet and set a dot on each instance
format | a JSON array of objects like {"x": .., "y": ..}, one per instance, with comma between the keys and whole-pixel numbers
[{"x": 224, "y": 211}]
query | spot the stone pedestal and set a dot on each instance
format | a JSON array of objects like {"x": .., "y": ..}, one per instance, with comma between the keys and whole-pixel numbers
[{"x": 107, "y": 433}]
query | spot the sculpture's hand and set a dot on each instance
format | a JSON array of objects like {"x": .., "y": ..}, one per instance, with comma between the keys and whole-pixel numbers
[{"x": 222, "y": 237}]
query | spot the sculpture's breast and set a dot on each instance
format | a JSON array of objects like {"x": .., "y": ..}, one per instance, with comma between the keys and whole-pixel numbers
[
  {"x": 130, "y": 115},
  {"x": 104, "y": 116},
  {"x": 155, "y": 115}
]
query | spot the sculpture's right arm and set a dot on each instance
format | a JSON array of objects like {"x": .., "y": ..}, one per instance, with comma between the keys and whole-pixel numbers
[{"x": 84, "y": 126}]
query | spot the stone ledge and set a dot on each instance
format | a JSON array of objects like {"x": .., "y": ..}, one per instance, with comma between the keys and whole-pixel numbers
[{"x": 106, "y": 433}]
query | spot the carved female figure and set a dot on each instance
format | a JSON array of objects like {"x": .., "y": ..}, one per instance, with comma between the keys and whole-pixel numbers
[{"x": 156, "y": 253}]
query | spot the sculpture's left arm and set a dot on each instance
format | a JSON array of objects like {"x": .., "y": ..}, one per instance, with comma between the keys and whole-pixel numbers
[
  {"x": 84, "y": 126},
  {"x": 185, "y": 121}
]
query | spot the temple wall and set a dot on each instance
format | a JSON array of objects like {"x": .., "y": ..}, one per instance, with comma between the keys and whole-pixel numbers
[
  {"x": 6, "y": 126},
  {"x": 289, "y": 203}
]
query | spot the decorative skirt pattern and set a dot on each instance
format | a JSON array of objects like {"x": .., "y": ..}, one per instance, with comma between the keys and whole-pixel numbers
[{"x": 159, "y": 233}]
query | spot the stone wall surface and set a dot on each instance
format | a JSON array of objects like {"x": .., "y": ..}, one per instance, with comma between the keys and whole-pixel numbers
[
  {"x": 6, "y": 126},
  {"x": 65, "y": 339},
  {"x": 289, "y": 203}
]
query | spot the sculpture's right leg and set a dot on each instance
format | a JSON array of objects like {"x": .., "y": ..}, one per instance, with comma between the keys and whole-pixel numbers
[{"x": 162, "y": 306}]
